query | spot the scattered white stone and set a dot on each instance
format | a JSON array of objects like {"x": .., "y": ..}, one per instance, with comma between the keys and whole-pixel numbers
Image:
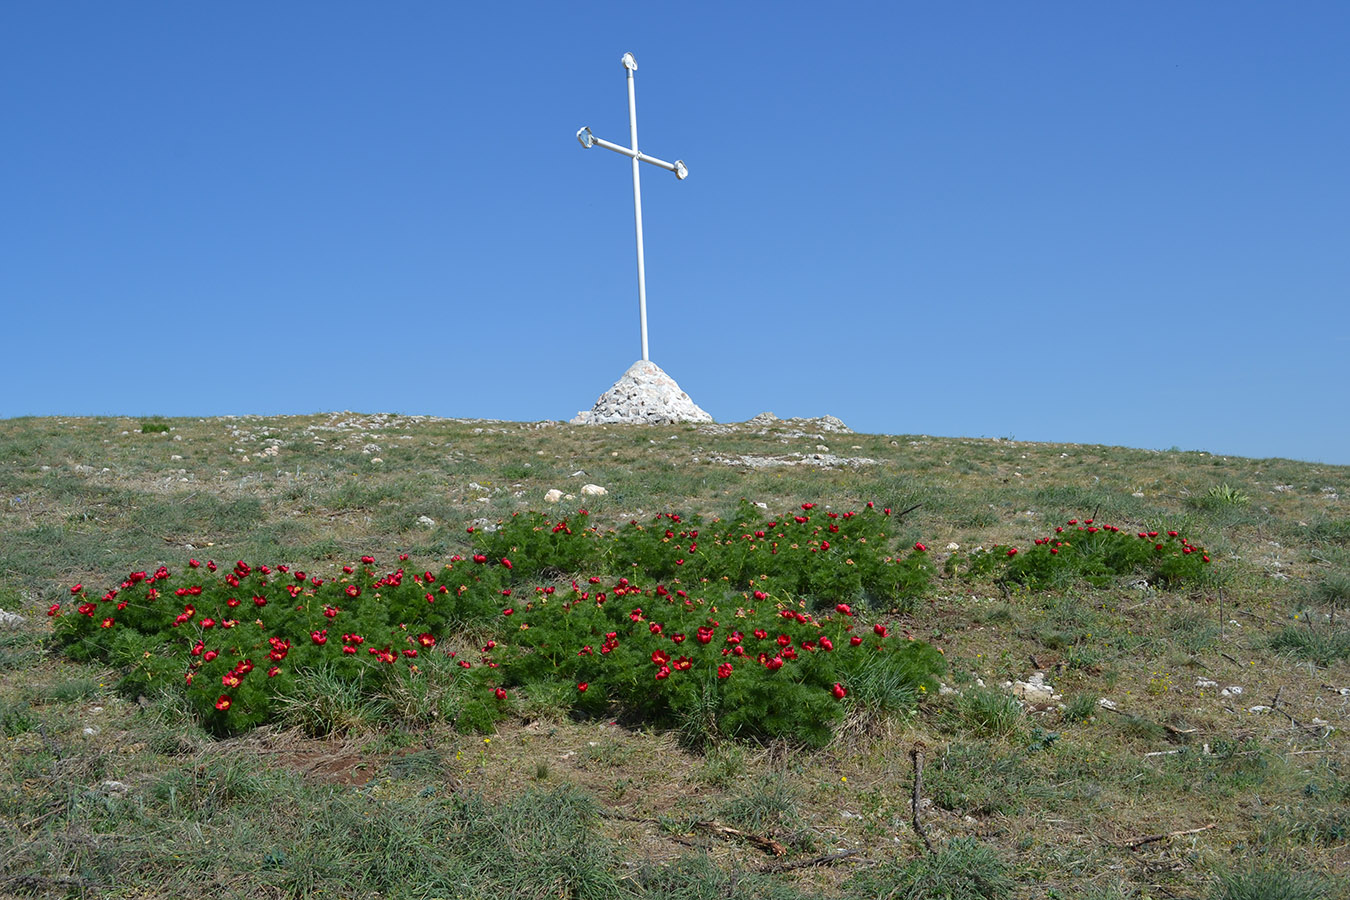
[
  {"x": 112, "y": 787},
  {"x": 569, "y": 496},
  {"x": 593, "y": 490},
  {"x": 1137, "y": 494},
  {"x": 1205, "y": 683},
  {"x": 9, "y": 619},
  {"x": 175, "y": 457},
  {"x": 1258, "y": 709},
  {"x": 485, "y": 525},
  {"x": 374, "y": 461},
  {"x": 553, "y": 496},
  {"x": 1233, "y": 690},
  {"x": 90, "y": 731},
  {"x": 426, "y": 521},
  {"x": 1106, "y": 704},
  {"x": 579, "y": 473},
  {"x": 945, "y": 691},
  {"x": 645, "y": 395},
  {"x": 953, "y": 546},
  {"x": 820, "y": 460},
  {"x": 1033, "y": 690},
  {"x": 84, "y": 470}
]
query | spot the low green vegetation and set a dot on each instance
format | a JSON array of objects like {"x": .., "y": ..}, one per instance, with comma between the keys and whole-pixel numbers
[{"x": 1097, "y": 714}]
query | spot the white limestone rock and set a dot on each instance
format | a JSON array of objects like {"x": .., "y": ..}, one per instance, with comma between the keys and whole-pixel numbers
[
  {"x": 645, "y": 395},
  {"x": 553, "y": 496},
  {"x": 593, "y": 490}
]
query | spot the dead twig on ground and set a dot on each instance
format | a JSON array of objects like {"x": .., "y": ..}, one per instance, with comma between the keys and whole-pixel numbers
[
  {"x": 916, "y": 754},
  {"x": 768, "y": 845},
  {"x": 1136, "y": 844}
]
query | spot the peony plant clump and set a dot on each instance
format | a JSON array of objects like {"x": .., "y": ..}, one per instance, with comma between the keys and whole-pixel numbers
[{"x": 711, "y": 648}]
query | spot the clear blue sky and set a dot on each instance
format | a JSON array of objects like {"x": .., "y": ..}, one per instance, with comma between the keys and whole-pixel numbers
[{"x": 1102, "y": 223}]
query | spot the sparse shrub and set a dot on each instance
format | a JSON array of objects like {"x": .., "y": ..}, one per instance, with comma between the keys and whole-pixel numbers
[
  {"x": 1323, "y": 645},
  {"x": 1220, "y": 496},
  {"x": 768, "y": 806},
  {"x": 1269, "y": 884},
  {"x": 696, "y": 877},
  {"x": 961, "y": 869},
  {"x": 1080, "y": 708},
  {"x": 16, "y": 718},
  {"x": 153, "y": 427},
  {"x": 323, "y": 703},
  {"x": 722, "y": 764},
  {"x": 990, "y": 712},
  {"x": 1332, "y": 589},
  {"x": 1335, "y": 531},
  {"x": 981, "y": 778}
]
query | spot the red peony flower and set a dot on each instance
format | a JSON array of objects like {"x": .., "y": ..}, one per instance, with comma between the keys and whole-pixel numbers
[
  {"x": 223, "y": 703},
  {"x": 1012, "y": 552},
  {"x": 319, "y": 637},
  {"x": 53, "y": 609},
  {"x": 724, "y": 670},
  {"x": 879, "y": 630},
  {"x": 920, "y": 547},
  {"x": 854, "y": 641},
  {"x": 839, "y": 692},
  {"x": 582, "y": 686}
]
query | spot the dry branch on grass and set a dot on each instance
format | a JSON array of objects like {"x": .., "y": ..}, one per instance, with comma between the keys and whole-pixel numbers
[{"x": 1136, "y": 844}]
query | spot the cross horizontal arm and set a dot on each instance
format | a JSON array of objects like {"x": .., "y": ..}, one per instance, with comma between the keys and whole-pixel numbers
[{"x": 589, "y": 140}]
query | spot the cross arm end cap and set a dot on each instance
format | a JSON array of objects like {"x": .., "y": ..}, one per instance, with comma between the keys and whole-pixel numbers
[
  {"x": 681, "y": 170},
  {"x": 629, "y": 62},
  {"x": 585, "y": 138}
]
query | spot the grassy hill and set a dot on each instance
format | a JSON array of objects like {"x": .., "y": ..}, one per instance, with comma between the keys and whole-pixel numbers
[{"x": 1193, "y": 743}]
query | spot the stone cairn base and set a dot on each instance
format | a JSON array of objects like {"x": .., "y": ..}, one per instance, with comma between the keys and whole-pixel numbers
[{"x": 645, "y": 395}]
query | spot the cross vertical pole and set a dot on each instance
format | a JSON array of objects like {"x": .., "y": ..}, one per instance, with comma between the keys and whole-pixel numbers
[
  {"x": 588, "y": 140},
  {"x": 637, "y": 204}
]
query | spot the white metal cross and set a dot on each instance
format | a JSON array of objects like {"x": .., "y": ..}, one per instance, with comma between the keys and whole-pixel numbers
[{"x": 589, "y": 140}]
